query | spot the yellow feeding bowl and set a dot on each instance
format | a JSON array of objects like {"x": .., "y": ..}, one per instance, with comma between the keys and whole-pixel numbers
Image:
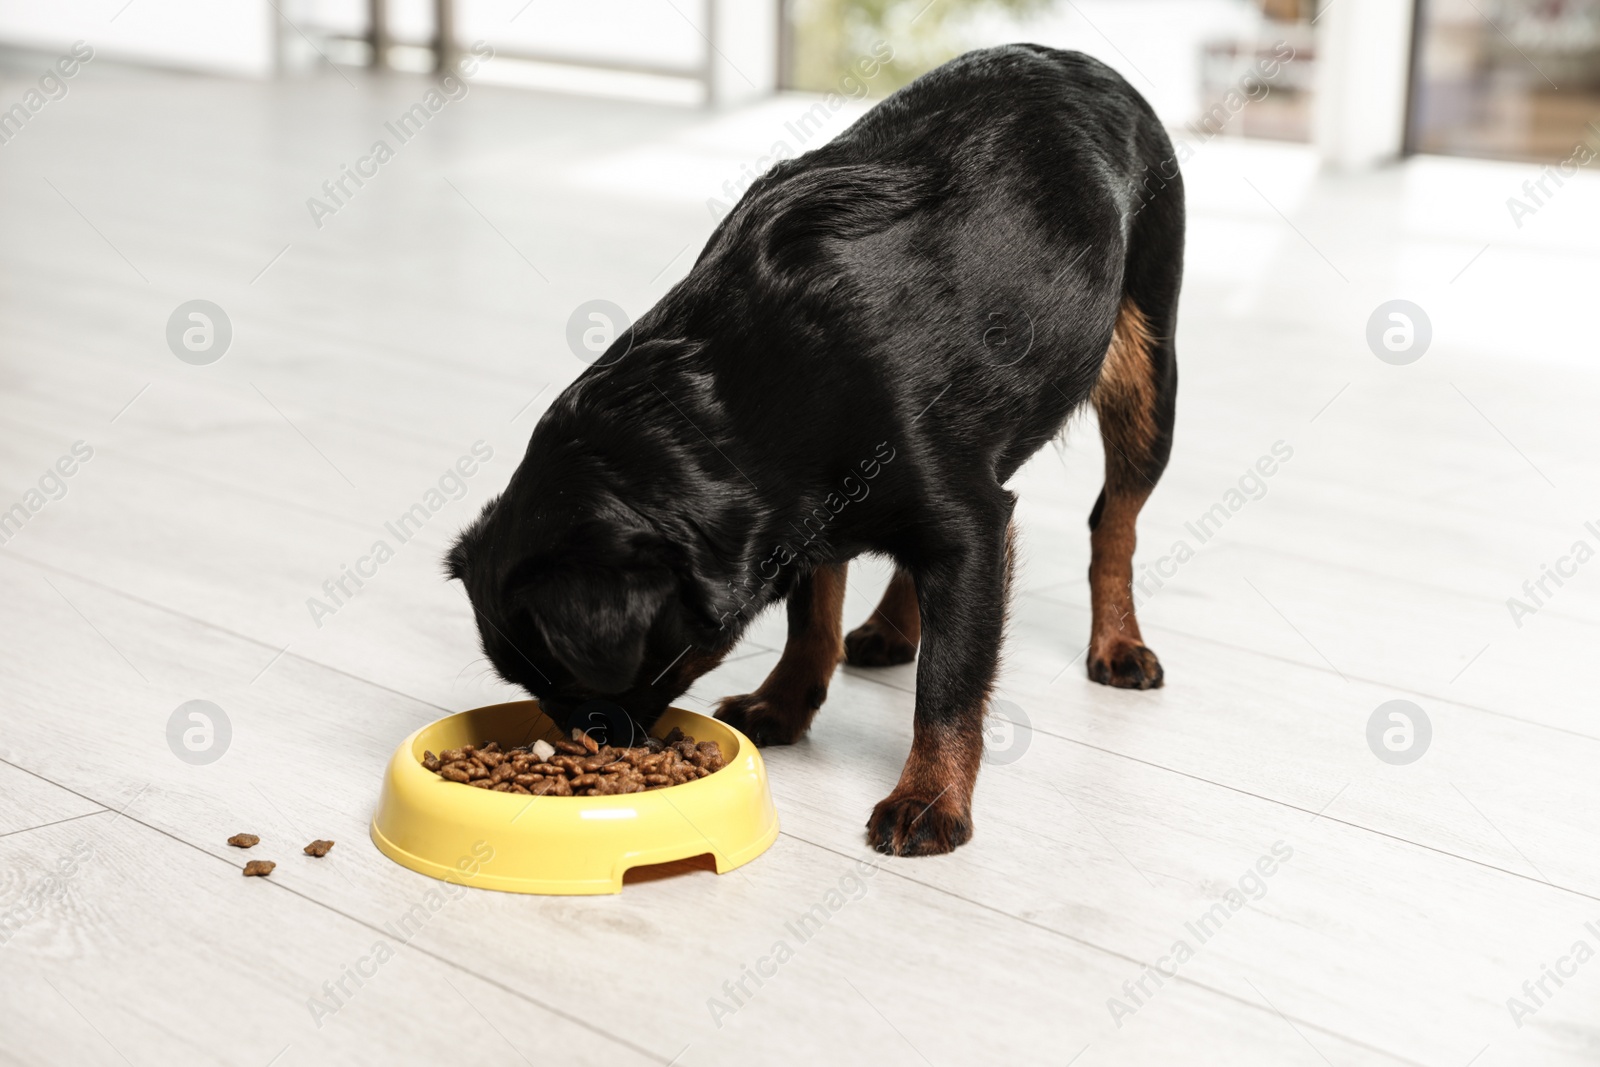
[{"x": 566, "y": 845}]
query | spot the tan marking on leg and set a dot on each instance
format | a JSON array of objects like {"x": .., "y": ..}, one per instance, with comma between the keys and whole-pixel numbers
[
  {"x": 1111, "y": 572},
  {"x": 898, "y": 610},
  {"x": 811, "y": 654},
  {"x": 929, "y": 810},
  {"x": 1124, "y": 395},
  {"x": 1124, "y": 400},
  {"x": 894, "y": 629},
  {"x": 780, "y": 711}
]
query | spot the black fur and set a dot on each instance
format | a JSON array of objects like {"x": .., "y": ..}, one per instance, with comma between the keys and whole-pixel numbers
[{"x": 839, "y": 321}]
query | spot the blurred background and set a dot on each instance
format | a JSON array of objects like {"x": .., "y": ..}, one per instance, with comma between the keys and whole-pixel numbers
[{"x": 1503, "y": 79}]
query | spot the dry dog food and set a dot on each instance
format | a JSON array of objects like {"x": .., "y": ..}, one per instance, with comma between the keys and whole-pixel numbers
[
  {"x": 318, "y": 848},
  {"x": 258, "y": 868},
  {"x": 244, "y": 840},
  {"x": 580, "y": 767}
]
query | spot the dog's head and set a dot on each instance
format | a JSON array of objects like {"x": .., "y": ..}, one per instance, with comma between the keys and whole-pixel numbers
[{"x": 584, "y": 604}]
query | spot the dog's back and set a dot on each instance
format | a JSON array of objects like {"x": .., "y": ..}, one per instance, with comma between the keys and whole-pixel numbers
[{"x": 972, "y": 233}]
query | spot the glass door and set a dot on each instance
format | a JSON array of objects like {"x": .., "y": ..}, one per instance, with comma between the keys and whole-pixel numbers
[{"x": 1506, "y": 79}]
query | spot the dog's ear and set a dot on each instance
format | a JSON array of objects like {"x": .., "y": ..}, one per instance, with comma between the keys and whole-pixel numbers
[
  {"x": 458, "y": 561},
  {"x": 596, "y": 616}
]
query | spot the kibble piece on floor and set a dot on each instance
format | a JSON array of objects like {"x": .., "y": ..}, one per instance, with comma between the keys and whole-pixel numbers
[
  {"x": 258, "y": 868},
  {"x": 244, "y": 840},
  {"x": 318, "y": 848}
]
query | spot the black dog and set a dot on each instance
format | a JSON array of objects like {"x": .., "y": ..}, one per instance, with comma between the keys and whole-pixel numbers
[{"x": 869, "y": 346}]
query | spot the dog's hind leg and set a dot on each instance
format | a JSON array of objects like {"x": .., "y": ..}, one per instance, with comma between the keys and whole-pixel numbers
[
  {"x": 1134, "y": 401},
  {"x": 890, "y": 636},
  {"x": 781, "y": 710}
]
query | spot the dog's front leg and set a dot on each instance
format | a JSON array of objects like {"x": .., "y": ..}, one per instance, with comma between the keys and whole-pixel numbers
[
  {"x": 781, "y": 710},
  {"x": 963, "y": 604}
]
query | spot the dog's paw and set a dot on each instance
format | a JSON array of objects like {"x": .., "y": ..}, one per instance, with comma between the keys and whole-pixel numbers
[
  {"x": 1127, "y": 666},
  {"x": 913, "y": 825},
  {"x": 875, "y": 644},
  {"x": 768, "y": 721}
]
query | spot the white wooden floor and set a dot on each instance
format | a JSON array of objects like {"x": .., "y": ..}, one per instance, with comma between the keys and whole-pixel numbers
[{"x": 430, "y": 313}]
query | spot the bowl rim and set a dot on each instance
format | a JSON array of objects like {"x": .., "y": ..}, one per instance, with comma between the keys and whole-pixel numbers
[{"x": 416, "y": 770}]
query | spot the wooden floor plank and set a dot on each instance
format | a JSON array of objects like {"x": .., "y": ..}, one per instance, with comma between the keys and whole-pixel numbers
[{"x": 27, "y": 802}]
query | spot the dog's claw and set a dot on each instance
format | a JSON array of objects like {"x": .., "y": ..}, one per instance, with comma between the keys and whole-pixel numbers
[
  {"x": 764, "y": 721},
  {"x": 1127, "y": 666},
  {"x": 912, "y": 825}
]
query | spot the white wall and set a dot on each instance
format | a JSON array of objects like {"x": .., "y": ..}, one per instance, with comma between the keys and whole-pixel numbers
[
  {"x": 645, "y": 31},
  {"x": 744, "y": 65},
  {"x": 224, "y": 36},
  {"x": 1363, "y": 62}
]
